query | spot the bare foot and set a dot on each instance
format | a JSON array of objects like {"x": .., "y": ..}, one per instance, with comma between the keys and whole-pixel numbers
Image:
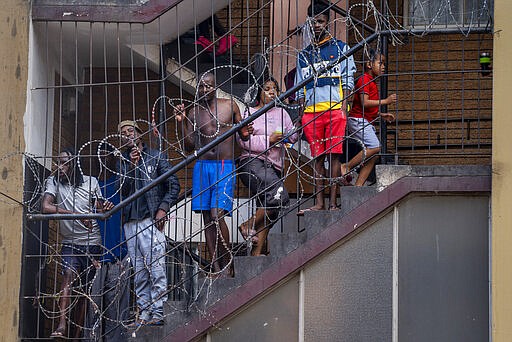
[
  {"x": 59, "y": 333},
  {"x": 247, "y": 232},
  {"x": 313, "y": 208},
  {"x": 346, "y": 176}
]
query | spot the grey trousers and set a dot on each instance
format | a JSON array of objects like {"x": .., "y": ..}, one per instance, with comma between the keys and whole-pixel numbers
[
  {"x": 108, "y": 310},
  {"x": 146, "y": 248}
]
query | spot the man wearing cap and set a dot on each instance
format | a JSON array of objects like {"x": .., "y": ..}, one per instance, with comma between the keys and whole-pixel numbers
[{"x": 144, "y": 220}]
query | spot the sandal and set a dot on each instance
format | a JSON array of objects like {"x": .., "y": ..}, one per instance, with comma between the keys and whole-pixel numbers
[
  {"x": 346, "y": 176},
  {"x": 303, "y": 211},
  {"x": 155, "y": 322},
  {"x": 137, "y": 324},
  {"x": 58, "y": 333}
]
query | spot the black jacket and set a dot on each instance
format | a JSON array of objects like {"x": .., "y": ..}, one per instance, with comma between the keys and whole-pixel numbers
[{"x": 152, "y": 164}]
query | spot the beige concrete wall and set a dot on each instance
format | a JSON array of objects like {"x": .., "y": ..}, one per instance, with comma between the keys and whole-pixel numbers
[
  {"x": 502, "y": 175},
  {"x": 13, "y": 83}
]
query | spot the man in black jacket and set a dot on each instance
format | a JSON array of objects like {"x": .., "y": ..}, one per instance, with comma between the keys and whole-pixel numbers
[{"x": 144, "y": 220}]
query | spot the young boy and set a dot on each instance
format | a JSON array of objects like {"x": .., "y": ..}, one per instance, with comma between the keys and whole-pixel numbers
[
  {"x": 365, "y": 111},
  {"x": 324, "y": 102}
]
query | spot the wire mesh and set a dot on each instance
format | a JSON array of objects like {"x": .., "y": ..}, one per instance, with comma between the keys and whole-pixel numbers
[{"x": 87, "y": 77}]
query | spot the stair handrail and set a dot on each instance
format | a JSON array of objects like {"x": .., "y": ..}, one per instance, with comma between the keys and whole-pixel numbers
[{"x": 234, "y": 129}]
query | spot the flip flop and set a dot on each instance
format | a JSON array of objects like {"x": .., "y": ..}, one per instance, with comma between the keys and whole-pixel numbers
[
  {"x": 137, "y": 324},
  {"x": 155, "y": 322},
  {"x": 248, "y": 233},
  {"x": 346, "y": 177},
  {"x": 345, "y": 180},
  {"x": 303, "y": 211},
  {"x": 57, "y": 334}
]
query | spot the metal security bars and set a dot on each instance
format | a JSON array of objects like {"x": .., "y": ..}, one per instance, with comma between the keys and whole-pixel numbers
[{"x": 88, "y": 76}]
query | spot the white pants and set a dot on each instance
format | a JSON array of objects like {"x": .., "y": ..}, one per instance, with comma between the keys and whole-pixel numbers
[{"x": 146, "y": 248}]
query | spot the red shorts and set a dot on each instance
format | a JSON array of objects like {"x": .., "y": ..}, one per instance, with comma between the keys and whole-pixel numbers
[{"x": 325, "y": 131}]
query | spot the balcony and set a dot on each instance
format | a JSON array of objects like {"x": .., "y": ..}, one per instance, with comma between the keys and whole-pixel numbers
[{"x": 89, "y": 72}]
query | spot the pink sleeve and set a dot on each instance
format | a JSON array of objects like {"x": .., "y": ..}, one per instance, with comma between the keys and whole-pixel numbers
[{"x": 256, "y": 143}]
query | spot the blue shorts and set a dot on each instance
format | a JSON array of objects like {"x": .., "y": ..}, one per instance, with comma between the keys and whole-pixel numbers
[
  {"x": 361, "y": 129},
  {"x": 213, "y": 185},
  {"x": 78, "y": 259}
]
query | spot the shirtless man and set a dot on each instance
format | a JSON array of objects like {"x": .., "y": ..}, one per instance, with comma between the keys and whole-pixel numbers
[{"x": 213, "y": 178}]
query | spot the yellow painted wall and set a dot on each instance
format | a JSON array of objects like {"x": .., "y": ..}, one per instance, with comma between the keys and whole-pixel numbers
[
  {"x": 13, "y": 84},
  {"x": 502, "y": 175}
]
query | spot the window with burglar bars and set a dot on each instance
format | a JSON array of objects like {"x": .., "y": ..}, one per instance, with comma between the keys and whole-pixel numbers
[
  {"x": 88, "y": 76},
  {"x": 463, "y": 13}
]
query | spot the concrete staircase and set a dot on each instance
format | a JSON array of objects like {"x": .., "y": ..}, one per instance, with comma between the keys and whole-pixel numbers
[{"x": 215, "y": 296}]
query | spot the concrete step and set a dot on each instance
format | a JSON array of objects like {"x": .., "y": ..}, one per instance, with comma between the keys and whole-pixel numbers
[
  {"x": 351, "y": 197},
  {"x": 211, "y": 290},
  {"x": 388, "y": 174},
  {"x": 248, "y": 267},
  {"x": 231, "y": 79},
  {"x": 281, "y": 244},
  {"x": 193, "y": 57},
  {"x": 176, "y": 313}
]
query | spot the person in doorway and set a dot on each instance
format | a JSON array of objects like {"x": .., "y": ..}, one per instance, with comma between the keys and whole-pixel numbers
[
  {"x": 110, "y": 291},
  {"x": 226, "y": 41}
]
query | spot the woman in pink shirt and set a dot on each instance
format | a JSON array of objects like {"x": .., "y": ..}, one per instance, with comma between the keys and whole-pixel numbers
[{"x": 261, "y": 166}]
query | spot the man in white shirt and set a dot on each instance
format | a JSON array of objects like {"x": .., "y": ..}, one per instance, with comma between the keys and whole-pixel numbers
[{"x": 68, "y": 191}]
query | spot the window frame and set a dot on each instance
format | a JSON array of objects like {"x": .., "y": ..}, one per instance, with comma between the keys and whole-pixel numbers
[{"x": 462, "y": 17}]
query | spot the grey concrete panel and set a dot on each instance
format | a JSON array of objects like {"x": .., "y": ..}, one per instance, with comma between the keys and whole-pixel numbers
[
  {"x": 273, "y": 318},
  {"x": 443, "y": 269},
  {"x": 348, "y": 292},
  {"x": 388, "y": 174}
]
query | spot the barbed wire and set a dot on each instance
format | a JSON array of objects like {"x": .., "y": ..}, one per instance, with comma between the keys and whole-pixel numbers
[{"x": 110, "y": 147}]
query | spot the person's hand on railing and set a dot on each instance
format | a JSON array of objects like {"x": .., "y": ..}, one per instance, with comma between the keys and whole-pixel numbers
[
  {"x": 390, "y": 99},
  {"x": 106, "y": 205},
  {"x": 388, "y": 117}
]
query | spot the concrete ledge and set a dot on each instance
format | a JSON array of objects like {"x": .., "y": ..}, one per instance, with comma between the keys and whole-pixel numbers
[{"x": 388, "y": 174}]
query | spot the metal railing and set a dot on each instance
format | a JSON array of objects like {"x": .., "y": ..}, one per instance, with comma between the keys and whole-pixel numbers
[{"x": 134, "y": 71}]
